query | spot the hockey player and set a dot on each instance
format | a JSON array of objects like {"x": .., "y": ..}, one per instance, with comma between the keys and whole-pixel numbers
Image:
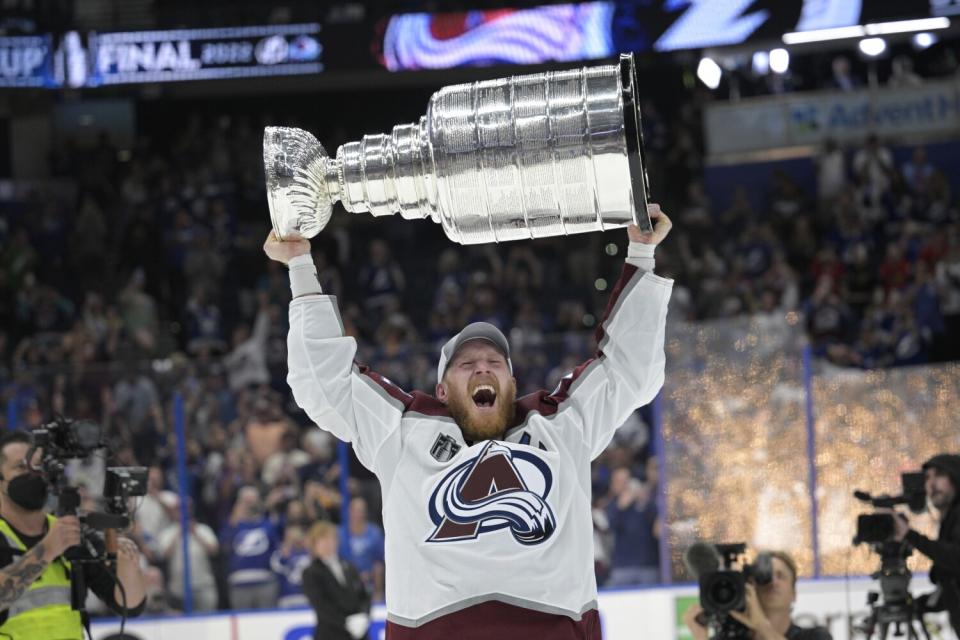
[{"x": 486, "y": 497}]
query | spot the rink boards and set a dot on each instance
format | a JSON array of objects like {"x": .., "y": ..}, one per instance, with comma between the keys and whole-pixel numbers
[{"x": 626, "y": 615}]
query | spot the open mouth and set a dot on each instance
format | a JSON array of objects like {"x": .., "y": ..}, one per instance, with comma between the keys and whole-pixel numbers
[{"x": 484, "y": 396}]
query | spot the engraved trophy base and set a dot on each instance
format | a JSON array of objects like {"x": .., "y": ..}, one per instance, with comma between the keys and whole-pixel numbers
[{"x": 295, "y": 159}]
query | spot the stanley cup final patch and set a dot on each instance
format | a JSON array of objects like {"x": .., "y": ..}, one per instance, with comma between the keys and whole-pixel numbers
[{"x": 444, "y": 448}]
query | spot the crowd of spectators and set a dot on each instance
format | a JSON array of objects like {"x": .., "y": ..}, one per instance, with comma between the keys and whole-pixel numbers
[
  {"x": 871, "y": 261},
  {"x": 139, "y": 274},
  {"x": 901, "y": 67}
]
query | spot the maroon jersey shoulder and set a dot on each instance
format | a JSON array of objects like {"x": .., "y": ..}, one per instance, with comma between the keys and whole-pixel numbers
[
  {"x": 427, "y": 404},
  {"x": 547, "y": 403},
  {"x": 417, "y": 401}
]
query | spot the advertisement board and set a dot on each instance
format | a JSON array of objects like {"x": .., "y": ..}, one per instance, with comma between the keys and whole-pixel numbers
[
  {"x": 810, "y": 118},
  {"x": 655, "y": 613},
  {"x": 25, "y": 61},
  {"x": 202, "y": 54}
]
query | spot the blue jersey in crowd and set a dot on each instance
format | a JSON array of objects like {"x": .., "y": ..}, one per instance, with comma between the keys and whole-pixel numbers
[
  {"x": 251, "y": 544},
  {"x": 364, "y": 549},
  {"x": 289, "y": 567}
]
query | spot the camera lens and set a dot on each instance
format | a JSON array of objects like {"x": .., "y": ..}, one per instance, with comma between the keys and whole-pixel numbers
[{"x": 723, "y": 592}]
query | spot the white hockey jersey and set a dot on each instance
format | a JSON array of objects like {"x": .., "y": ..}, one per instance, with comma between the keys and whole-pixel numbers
[{"x": 507, "y": 521}]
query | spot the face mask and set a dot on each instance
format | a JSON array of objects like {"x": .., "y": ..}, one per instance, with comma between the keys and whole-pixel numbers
[{"x": 28, "y": 491}]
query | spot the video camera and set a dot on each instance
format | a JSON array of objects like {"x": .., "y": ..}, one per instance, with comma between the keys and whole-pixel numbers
[
  {"x": 873, "y": 528},
  {"x": 62, "y": 440},
  {"x": 722, "y": 588},
  {"x": 893, "y": 604}
]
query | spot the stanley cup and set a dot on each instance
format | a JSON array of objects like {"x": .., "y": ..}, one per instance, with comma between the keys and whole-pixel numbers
[{"x": 531, "y": 156}]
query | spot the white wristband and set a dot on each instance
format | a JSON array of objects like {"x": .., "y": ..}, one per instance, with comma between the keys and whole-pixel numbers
[
  {"x": 640, "y": 255},
  {"x": 303, "y": 276},
  {"x": 302, "y": 260},
  {"x": 640, "y": 250}
]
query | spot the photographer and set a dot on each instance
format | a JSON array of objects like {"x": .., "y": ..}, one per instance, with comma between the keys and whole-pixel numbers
[
  {"x": 35, "y": 594},
  {"x": 767, "y": 612},
  {"x": 942, "y": 481}
]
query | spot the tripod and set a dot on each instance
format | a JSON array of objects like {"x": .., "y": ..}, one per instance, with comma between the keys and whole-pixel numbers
[{"x": 899, "y": 614}]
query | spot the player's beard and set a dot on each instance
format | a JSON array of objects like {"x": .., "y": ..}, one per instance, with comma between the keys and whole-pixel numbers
[{"x": 487, "y": 426}]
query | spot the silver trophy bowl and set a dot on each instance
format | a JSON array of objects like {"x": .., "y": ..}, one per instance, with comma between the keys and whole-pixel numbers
[{"x": 530, "y": 156}]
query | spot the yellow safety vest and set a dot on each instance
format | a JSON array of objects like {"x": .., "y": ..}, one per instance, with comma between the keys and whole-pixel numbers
[{"x": 43, "y": 611}]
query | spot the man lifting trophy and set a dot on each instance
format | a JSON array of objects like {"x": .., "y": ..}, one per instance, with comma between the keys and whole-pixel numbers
[{"x": 486, "y": 496}]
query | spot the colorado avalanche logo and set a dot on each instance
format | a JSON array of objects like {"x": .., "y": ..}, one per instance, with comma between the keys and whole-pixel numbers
[{"x": 499, "y": 488}]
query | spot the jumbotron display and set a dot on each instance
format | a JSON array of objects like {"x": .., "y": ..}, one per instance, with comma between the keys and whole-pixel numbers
[
  {"x": 559, "y": 33},
  {"x": 415, "y": 41}
]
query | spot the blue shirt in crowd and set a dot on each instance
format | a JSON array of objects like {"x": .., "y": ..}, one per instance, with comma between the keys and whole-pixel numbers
[
  {"x": 632, "y": 528},
  {"x": 362, "y": 550},
  {"x": 251, "y": 544},
  {"x": 289, "y": 568}
]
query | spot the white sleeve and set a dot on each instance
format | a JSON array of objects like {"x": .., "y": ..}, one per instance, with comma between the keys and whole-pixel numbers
[
  {"x": 275, "y": 563},
  {"x": 166, "y": 536},
  {"x": 261, "y": 328},
  {"x": 206, "y": 535},
  {"x": 628, "y": 371},
  {"x": 356, "y": 407},
  {"x": 303, "y": 276}
]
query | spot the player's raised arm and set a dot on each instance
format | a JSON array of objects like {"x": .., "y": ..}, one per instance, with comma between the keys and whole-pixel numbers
[
  {"x": 326, "y": 382},
  {"x": 628, "y": 369}
]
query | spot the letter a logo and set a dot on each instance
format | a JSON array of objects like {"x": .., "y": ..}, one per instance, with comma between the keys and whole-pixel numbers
[{"x": 488, "y": 493}]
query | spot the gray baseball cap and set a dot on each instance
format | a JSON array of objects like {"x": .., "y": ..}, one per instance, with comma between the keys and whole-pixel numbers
[{"x": 473, "y": 331}]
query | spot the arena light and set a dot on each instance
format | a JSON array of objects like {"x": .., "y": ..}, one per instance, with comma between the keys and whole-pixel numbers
[
  {"x": 872, "y": 47},
  {"x": 871, "y": 29},
  {"x": 820, "y": 35},
  {"x": 779, "y": 60},
  {"x": 906, "y": 26},
  {"x": 924, "y": 40},
  {"x": 709, "y": 72},
  {"x": 761, "y": 63}
]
